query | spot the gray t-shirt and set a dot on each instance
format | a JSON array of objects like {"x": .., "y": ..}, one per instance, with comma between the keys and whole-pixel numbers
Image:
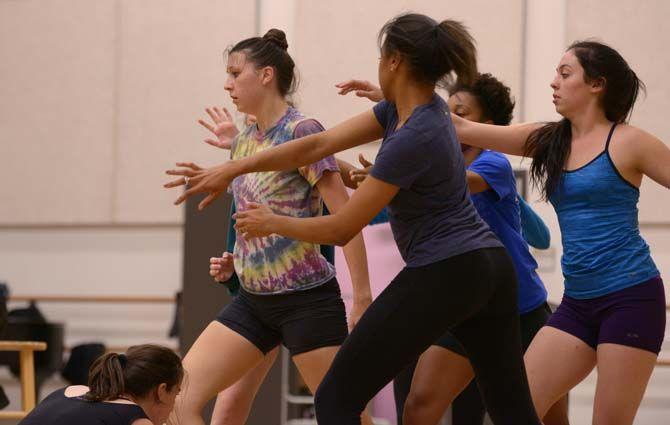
[{"x": 432, "y": 217}]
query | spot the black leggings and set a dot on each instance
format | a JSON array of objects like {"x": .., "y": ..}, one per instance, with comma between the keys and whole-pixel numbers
[
  {"x": 468, "y": 407},
  {"x": 475, "y": 296}
]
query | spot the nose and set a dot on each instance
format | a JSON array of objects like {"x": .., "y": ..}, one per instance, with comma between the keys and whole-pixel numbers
[
  {"x": 228, "y": 85},
  {"x": 554, "y": 83}
]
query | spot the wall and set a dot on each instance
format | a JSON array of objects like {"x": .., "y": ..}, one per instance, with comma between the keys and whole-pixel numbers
[{"x": 98, "y": 98}]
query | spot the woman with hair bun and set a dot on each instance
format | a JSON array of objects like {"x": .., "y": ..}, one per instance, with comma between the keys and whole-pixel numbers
[
  {"x": 288, "y": 291},
  {"x": 135, "y": 388}
]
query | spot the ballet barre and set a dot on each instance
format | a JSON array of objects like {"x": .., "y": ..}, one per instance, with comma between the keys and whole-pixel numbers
[{"x": 94, "y": 299}]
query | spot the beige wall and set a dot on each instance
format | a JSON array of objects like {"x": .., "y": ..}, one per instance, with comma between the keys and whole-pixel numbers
[
  {"x": 98, "y": 98},
  {"x": 335, "y": 41}
]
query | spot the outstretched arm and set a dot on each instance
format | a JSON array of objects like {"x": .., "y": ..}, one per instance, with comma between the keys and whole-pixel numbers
[
  {"x": 509, "y": 139},
  {"x": 356, "y": 131},
  {"x": 652, "y": 157}
]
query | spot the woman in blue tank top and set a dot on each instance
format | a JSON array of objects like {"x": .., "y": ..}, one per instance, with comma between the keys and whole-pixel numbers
[{"x": 589, "y": 166}]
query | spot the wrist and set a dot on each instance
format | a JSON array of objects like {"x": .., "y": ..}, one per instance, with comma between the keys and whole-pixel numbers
[
  {"x": 275, "y": 223},
  {"x": 363, "y": 298}
]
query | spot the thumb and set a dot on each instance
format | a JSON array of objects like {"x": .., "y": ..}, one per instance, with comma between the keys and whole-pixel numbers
[{"x": 253, "y": 206}]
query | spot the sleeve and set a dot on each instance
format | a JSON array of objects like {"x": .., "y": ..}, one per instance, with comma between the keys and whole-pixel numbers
[
  {"x": 402, "y": 159},
  {"x": 381, "y": 110},
  {"x": 498, "y": 173},
  {"x": 313, "y": 172},
  {"x": 534, "y": 231}
]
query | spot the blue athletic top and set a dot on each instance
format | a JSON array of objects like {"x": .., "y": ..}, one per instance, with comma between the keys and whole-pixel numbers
[
  {"x": 603, "y": 251},
  {"x": 499, "y": 207}
]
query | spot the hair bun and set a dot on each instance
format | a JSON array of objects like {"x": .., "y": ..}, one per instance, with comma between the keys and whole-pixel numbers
[{"x": 277, "y": 37}]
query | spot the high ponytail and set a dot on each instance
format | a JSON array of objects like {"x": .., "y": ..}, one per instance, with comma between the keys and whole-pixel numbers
[
  {"x": 457, "y": 47},
  {"x": 434, "y": 51}
]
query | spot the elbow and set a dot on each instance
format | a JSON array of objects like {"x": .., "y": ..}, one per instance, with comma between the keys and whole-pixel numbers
[{"x": 341, "y": 237}]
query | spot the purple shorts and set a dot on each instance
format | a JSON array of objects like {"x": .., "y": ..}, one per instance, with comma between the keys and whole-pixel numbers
[{"x": 634, "y": 317}]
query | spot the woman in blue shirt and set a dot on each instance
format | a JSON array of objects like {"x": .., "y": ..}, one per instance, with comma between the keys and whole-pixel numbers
[{"x": 590, "y": 165}]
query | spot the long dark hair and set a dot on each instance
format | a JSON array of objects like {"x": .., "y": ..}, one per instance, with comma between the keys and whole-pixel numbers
[
  {"x": 433, "y": 50},
  {"x": 136, "y": 373},
  {"x": 549, "y": 145},
  {"x": 271, "y": 50}
]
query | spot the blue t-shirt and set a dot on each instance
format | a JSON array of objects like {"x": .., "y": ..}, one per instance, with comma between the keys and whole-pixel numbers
[
  {"x": 431, "y": 216},
  {"x": 499, "y": 207}
]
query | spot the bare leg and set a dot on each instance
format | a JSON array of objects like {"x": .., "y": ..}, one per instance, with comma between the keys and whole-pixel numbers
[
  {"x": 440, "y": 376},
  {"x": 217, "y": 359},
  {"x": 234, "y": 403},
  {"x": 623, "y": 374},
  {"x": 556, "y": 362}
]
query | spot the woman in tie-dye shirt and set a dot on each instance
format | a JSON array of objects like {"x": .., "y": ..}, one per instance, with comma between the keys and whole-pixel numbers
[{"x": 288, "y": 293}]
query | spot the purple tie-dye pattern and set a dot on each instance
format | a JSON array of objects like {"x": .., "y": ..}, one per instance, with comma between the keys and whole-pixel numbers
[{"x": 276, "y": 264}]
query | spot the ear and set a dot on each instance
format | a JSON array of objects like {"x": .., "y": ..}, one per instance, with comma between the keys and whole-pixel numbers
[
  {"x": 394, "y": 60},
  {"x": 598, "y": 85},
  {"x": 267, "y": 74},
  {"x": 488, "y": 122},
  {"x": 162, "y": 393}
]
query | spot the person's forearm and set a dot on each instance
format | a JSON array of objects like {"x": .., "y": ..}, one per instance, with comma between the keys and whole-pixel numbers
[
  {"x": 357, "y": 261},
  {"x": 288, "y": 156},
  {"x": 509, "y": 139},
  {"x": 361, "y": 129},
  {"x": 323, "y": 230},
  {"x": 345, "y": 168}
]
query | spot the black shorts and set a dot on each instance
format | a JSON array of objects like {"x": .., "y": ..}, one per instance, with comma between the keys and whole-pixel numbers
[
  {"x": 530, "y": 323},
  {"x": 302, "y": 321}
]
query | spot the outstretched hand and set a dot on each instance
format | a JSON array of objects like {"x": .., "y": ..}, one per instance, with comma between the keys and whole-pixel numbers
[
  {"x": 211, "y": 181},
  {"x": 255, "y": 221},
  {"x": 223, "y": 128},
  {"x": 361, "y": 88}
]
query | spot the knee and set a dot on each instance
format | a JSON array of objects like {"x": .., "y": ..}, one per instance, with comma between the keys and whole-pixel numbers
[
  {"x": 421, "y": 407},
  {"x": 324, "y": 403},
  {"x": 333, "y": 408}
]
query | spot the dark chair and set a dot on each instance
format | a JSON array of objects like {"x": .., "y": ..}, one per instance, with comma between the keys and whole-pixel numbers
[{"x": 22, "y": 328}]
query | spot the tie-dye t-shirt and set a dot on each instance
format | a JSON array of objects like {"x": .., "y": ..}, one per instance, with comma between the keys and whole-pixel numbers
[{"x": 276, "y": 264}]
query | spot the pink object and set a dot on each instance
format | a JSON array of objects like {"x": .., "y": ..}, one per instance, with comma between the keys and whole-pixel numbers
[{"x": 384, "y": 263}]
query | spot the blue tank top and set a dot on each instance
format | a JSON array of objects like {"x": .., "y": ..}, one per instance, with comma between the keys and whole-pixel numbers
[{"x": 603, "y": 251}]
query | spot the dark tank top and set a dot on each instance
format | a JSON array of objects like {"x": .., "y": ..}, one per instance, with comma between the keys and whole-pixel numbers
[{"x": 57, "y": 409}]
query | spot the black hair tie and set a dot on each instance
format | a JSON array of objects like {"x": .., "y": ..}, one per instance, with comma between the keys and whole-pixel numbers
[{"x": 123, "y": 360}]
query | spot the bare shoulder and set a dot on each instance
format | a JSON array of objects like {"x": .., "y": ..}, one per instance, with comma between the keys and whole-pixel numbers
[
  {"x": 76, "y": 390},
  {"x": 634, "y": 137}
]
